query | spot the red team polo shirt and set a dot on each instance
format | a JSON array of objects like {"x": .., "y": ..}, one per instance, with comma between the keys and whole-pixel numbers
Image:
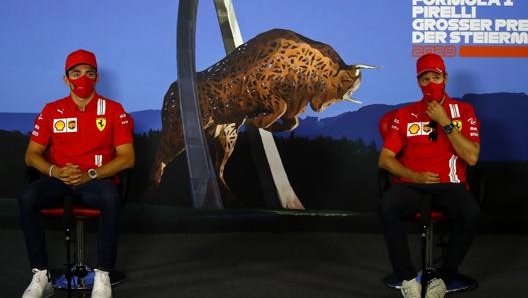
[
  {"x": 410, "y": 130},
  {"x": 86, "y": 138}
]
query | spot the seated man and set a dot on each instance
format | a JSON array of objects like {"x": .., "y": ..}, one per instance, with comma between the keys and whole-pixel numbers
[
  {"x": 428, "y": 147},
  {"x": 79, "y": 143}
]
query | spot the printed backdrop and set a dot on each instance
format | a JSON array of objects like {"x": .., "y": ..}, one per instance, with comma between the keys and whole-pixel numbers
[{"x": 331, "y": 157}]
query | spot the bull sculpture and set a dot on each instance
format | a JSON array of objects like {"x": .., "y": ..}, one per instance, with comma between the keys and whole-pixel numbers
[{"x": 266, "y": 82}]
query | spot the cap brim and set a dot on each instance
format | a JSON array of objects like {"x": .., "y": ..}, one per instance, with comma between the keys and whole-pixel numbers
[
  {"x": 435, "y": 70},
  {"x": 85, "y": 63}
]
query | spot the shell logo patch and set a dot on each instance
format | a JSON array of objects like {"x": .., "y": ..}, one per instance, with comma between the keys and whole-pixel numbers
[
  {"x": 100, "y": 123},
  {"x": 413, "y": 128},
  {"x": 64, "y": 125},
  {"x": 59, "y": 125}
]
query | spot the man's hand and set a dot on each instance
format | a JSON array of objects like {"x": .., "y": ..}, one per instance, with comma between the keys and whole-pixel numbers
[
  {"x": 72, "y": 174},
  {"x": 426, "y": 177},
  {"x": 388, "y": 161},
  {"x": 436, "y": 112}
]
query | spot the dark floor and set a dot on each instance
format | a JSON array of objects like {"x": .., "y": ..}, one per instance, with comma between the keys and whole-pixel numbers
[
  {"x": 258, "y": 264},
  {"x": 262, "y": 254}
]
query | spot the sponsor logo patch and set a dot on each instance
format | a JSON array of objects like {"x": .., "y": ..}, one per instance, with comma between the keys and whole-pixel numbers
[
  {"x": 418, "y": 129},
  {"x": 72, "y": 124},
  {"x": 59, "y": 125},
  {"x": 426, "y": 128},
  {"x": 413, "y": 128},
  {"x": 63, "y": 125}
]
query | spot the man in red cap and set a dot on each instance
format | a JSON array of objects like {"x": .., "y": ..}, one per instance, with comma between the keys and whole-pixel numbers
[
  {"x": 79, "y": 143},
  {"x": 427, "y": 149}
]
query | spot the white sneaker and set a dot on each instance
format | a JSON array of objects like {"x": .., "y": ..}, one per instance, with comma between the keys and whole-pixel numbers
[
  {"x": 102, "y": 287},
  {"x": 436, "y": 288},
  {"x": 411, "y": 288},
  {"x": 40, "y": 286}
]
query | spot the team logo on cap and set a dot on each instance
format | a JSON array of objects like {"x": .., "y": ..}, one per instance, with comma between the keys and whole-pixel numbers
[{"x": 100, "y": 123}]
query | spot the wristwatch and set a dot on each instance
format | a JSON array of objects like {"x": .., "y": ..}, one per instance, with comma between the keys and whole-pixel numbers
[
  {"x": 448, "y": 129},
  {"x": 92, "y": 173}
]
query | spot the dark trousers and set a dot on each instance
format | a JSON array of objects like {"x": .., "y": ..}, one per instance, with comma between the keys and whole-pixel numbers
[
  {"x": 403, "y": 200},
  {"x": 48, "y": 193}
]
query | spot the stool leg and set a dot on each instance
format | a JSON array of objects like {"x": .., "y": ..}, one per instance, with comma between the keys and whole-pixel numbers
[
  {"x": 68, "y": 222},
  {"x": 79, "y": 225},
  {"x": 68, "y": 273},
  {"x": 427, "y": 243},
  {"x": 80, "y": 270},
  {"x": 427, "y": 255}
]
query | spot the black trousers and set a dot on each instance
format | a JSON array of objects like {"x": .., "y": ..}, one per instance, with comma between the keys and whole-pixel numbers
[
  {"x": 403, "y": 200},
  {"x": 49, "y": 192}
]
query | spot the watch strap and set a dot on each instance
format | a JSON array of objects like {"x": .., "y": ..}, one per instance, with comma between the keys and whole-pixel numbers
[{"x": 448, "y": 129}]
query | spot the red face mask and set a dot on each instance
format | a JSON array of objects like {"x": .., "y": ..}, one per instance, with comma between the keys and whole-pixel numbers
[
  {"x": 433, "y": 91},
  {"x": 83, "y": 86}
]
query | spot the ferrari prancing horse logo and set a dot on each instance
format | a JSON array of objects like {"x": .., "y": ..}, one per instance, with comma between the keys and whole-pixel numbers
[{"x": 100, "y": 123}]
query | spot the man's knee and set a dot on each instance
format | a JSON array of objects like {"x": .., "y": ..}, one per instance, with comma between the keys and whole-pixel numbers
[
  {"x": 473, "y": 215},
  {"x": 389, "y": 210},
  {"x": 472, "y": 210},
  {"x": 27, "y": 200},
  {"x": 111, "y": 201}
]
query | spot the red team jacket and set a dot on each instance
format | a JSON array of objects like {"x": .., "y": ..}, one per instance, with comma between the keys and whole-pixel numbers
[
  {"x": 87, "y": 138},
  {"x": 410, "y": 131}
]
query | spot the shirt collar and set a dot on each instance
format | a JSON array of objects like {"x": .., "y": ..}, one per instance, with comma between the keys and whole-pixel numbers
[{"x": 91, "y": 106}]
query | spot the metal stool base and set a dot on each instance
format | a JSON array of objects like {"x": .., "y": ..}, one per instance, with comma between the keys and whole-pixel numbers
[
  {"x": 82, "y": 283},
  {"x": 458, "y": 284}
]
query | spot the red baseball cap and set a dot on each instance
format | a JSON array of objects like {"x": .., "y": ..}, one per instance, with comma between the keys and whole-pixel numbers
[
  {"x": 430, "y": 62},
  {"x": 80, "y": 57}
]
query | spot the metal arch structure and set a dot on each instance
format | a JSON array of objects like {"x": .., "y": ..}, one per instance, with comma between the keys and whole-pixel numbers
[
  {"x": 204, "y": 185},
  {"x": 272, "y": 174},
  {"x": 227, "y": 20}
]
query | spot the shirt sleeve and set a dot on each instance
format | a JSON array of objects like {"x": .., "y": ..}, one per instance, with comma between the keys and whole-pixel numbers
[
  {"x": 42, "y": 129},
  {"x": 123, "y": 127},
  {"x": 470, "y": 124},
  {"x": 395, "y": 139}
]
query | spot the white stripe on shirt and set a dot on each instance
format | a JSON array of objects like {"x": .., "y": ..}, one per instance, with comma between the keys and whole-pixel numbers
[
  {"x": 98, "y": 160},
  {"x": 455, "y": 112},
  {"x": 453, "y": 177},
  {"x": 101, "y": 106}
]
